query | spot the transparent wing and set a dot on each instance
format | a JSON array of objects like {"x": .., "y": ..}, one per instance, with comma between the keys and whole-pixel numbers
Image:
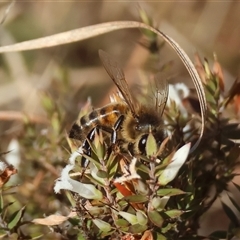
[
  {"x": 117, "y": 75},
  {"x": 160, "y": 93}
]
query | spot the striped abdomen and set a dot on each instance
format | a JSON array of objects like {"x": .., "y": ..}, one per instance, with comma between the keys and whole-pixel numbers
[{"x": 104, "y": 117}]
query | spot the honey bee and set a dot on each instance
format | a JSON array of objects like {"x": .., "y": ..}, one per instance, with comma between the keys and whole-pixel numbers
[{"x": 126, "y": 120}]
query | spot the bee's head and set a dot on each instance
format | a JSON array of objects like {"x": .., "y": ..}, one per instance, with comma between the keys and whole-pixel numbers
[
  {"x": 135, "y": 129},
  {"x": 158, "y": 133},
  {"x": 148, "y": 120}
]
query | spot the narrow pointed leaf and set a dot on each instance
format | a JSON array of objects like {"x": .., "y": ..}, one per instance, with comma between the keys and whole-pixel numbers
[
  {"x": 137, "y": 228},
  {"x": 174, "y": 213},
  {"x": 236, "y": 205},
  {"x": 231, "y": 215},
  {"x": 131, "y": 218},
  {"x": 155, "y": 218},
  {"x": 122, "y": 223},
  {"x": 236, "y": 232},
  {"x": 5, "y": 208},
  {"x": 103, "y": 226},
  {"x": 87, "y": 191},
  {"x": 1, "y": 203},
  {"x": 219, "y": 235},
  {"x": 234, "y": 134},
  {"x": 102, "y": 174},
  {"x": 170, "y": 192},
  {"x": 142, "y": 218},
  {"x": 112, "y": 165},
  {"x": 237, "y": 186},
  {"x": 159, "y": 203},
  {"x": 151, "y": 146},
  {"x": 16, "y": 218},
  {"x": 161, "y": 237},
  {"x": 136, "y": 198}
]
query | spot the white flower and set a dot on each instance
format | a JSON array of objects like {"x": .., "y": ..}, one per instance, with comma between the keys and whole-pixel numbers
[
  {"x": 177, "y": 93},
  {"x": 13, "y": 157},
  {"x": 2, "y": 166},
  {"x": 87, "y": 191},
  {"x": 74, "y": 155}
]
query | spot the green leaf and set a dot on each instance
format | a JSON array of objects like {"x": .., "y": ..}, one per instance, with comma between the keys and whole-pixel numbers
[
  {"x": 137, "y": 228},
  {"x": 112, "y": 165},
  {"x": 232, "y": 134},
  {"x": 155, "y": 218},
  {"x": 38, "y": 237},
  {"x": 81, "y": 236},
  {"x": 159, "y": 169},
  {"x": 100, "y": 147},
  {"x": 87, "y": 191},
  {"x": 96, "y": 179},
  {"x": 5, "y": 208},
  {"x": 142, "y": 218},
  {"x": 151, "y": 146},
  {"x": 1, "y": 203},
  {"x": 236, "y": 232},
  {"x": 160, "y": 237},
  {"x": 229, "y": 126},
  {"x": 168, "y": 227},
  {"x": 226, "y": 141},
  {"x": 170, "y": 192},
  {"x": 159, "y": 203},
  {"x": 142, "y": 167},
  {"x": 97, "y": 210},
  {"x": 136, "y": 198},
  {"x": 231, "y": 215},
  {"x": 16, "y": 218},
  {"x": 174, "y": 213},
  {"x": 47, "y": 103},
  {"x": 209, "y": 96},
  {"x": 102, "y": 174},
  {"x": 237, "y": 186},
  {"x": 234, "y": 203},
  {"x": 131, "y": 218},
  {"x": 102, "y": 225},
  {"x": 219, "y": 234},
  {"x": 93, "y": 160},
  {"x": 146, "y": 19},
  {"x": 233, "y": 154},
  {"x": 55, "y": 122},
  {"x": 122, "y": 223}
]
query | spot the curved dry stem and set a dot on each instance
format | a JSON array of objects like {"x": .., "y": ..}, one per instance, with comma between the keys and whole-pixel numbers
[
  {"x": 19, "y": 116},
  {"x": 98, "y": 29}
]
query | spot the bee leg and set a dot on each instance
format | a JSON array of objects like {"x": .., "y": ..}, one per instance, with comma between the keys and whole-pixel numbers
[
  {"x": 86, "y": 146},
  {"x": 116, "y": 127}
]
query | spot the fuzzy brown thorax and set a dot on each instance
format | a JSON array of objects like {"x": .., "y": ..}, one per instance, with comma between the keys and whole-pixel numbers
[{"x": 134, "y": 129}]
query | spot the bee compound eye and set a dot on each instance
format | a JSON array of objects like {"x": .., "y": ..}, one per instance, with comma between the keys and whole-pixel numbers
[{"x": 142, "y": 143}]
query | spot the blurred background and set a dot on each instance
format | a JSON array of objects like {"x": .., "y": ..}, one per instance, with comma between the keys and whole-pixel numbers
[
  {"x": 202, "y": 26},
  {"x": 71, "y": 73}
]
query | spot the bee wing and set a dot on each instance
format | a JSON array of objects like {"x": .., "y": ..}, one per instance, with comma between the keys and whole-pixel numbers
[
  {"x": 117, "y": 75},
  {"x": 161, "y": 93}
]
